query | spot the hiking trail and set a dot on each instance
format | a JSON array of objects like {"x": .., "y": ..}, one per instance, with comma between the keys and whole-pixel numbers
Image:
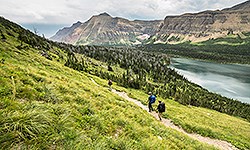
[{"x": 223, "y": 145}]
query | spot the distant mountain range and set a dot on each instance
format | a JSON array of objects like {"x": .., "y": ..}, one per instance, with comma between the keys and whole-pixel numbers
[{"x": 103, "y": 29}]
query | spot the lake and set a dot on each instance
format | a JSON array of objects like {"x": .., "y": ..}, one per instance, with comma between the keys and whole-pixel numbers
[{"x": 230, "y": 80}]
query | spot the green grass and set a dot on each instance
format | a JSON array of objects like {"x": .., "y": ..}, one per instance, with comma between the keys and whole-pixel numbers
[
  {"x": 203, "y": 121},
  {"x": 233, "y": 40},
  {"x": 45, "y": 105}
]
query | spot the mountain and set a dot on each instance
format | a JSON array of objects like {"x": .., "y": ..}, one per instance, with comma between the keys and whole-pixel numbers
[
  {"x": 67, "y": 31},
  {"x": 205, "y": 25},
  {"x": 106, "y": 30},
  {"x": 103, "y": 29}
]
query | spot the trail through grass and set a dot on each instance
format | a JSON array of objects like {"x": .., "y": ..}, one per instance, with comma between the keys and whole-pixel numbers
[
  {"x": 202, "y": 121},
  {"x": 168, "y": 123}
]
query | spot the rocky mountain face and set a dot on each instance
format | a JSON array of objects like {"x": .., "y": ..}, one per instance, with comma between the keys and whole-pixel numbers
[
  {"x": 106, "y": 30},
  {"x": 65, "y": 34},
  {"x": 205, "y": 25}
]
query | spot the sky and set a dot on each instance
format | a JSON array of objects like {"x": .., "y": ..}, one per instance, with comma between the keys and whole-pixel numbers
[{"x": 48, "y": 16}]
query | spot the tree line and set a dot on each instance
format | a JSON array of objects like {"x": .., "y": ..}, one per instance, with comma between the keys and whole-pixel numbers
[{"x": 207, "y": 51}]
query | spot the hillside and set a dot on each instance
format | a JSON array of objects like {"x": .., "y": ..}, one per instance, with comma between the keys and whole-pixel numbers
[
  {"x": 45, "y": 105},
  {"x": 48, "y": 100}
]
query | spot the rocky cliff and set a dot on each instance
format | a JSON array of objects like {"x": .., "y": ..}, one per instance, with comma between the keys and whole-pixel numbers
[
  {"x": 205, "y": 25},
  {"x": 105, "y": 30}
]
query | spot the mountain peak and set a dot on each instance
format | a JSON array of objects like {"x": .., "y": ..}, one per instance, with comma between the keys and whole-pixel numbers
[
  {"x": 104, "y": 14},
  {"x": 77, "y": 23}
]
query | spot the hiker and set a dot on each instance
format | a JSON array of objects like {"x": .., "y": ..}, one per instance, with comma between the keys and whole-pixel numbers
[
  {"x": 151, "y": 100},
  {"x": 110, "y": 83},
  {"x": 161, "y": 109}
]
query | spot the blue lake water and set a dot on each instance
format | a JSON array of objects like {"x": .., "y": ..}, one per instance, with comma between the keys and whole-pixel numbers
[{"x": 230, "y": 80}]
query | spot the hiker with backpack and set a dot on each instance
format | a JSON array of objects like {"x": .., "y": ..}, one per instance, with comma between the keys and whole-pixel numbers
[
  {"x": 151, "y": 100},
  {"x": 161, "y": 108},
  {"x": 110, "y": 84}
]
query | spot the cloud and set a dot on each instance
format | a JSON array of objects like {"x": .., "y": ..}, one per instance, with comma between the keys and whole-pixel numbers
[{"x": 68, "y": 11}]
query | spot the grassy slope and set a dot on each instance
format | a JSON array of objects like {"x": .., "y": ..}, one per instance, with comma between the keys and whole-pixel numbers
[
  {"x": 199, "y": 120},
  {"x": 232, "y": 40},
  {"x": 206, "y": 122},
  {"x": 45, "y": 105}
]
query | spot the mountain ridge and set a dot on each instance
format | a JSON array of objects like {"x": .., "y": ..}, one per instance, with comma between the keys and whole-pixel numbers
[
  {"x": 107, "y": 29},
  {"x": 103, "y": 29},
  {"x": 205, "y": 25}
]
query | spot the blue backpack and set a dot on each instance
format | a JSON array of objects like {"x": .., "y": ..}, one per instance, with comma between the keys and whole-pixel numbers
[{"x": 152, "y": 99}]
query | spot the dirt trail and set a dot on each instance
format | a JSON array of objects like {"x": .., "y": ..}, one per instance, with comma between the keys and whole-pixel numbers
[{"x": 223, "y": 145}]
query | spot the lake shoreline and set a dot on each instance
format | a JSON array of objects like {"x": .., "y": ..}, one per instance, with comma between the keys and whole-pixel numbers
[
  {"x": 229, "y": 80},
  {"x": 211, "y": 61}
]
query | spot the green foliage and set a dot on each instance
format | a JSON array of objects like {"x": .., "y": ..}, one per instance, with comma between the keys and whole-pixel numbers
[
  {"x": 174, "y": 38},
  {"x": 231, "y": 49}
]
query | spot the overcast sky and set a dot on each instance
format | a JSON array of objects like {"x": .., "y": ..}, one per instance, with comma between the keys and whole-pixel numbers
[{"x": 66, "y": 12}]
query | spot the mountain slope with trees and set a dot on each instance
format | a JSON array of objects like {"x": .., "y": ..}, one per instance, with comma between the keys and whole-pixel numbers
[{"x": 46, "y": 104}]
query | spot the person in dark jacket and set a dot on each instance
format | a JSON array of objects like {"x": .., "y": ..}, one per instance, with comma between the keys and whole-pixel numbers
[
  {"x": 151, "y": 100},
  {"x": 110, "y": 84},
  {"x": 161, "y": 108}
]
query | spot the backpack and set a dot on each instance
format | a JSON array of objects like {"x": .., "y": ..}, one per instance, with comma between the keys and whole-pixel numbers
[
  {"x": 152, "y": 99},
  {"x": 162, "y": 107},
  {"x": 110, "y": 83}
]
